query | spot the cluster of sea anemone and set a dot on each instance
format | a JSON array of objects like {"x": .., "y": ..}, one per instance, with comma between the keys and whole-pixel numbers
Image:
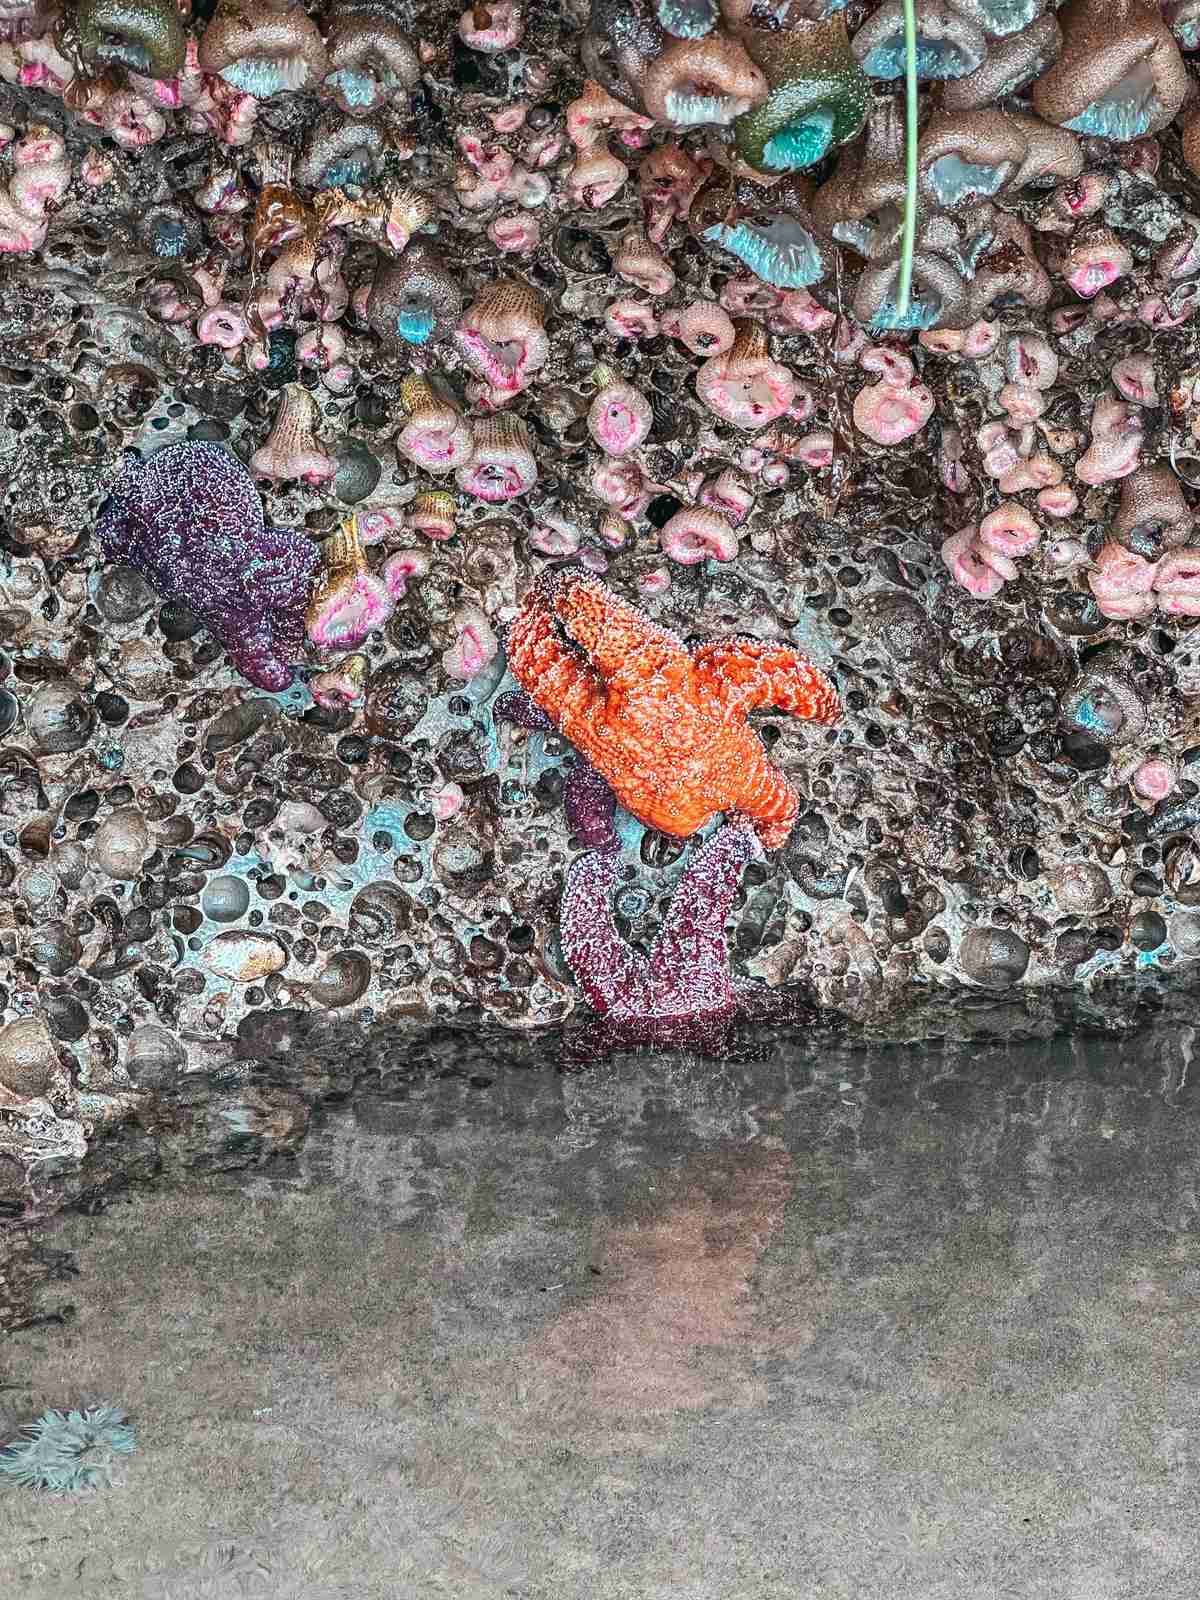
[{"x": 675, "y": 292}]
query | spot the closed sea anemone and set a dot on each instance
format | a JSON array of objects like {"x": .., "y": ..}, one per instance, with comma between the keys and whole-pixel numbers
[
  {"x": 371, "y": 60},
  {"x": 434, "y": 436},
  {"x": 1120, "y": 75},
  {"x": 502, "y": 465},
  {"x": 415, "y": 300},
  {"x": 349, "y": 601},
  {"x": 292, "y": 449},
  {"x": 147, "y": 36},
  {"x": 744, "y": 386},
  {"x": 1153, "y": 516},
  {"x": 262, "y": 51},
  {"x": 502, "y": 336},
  {"x": 818, "y": 92}
]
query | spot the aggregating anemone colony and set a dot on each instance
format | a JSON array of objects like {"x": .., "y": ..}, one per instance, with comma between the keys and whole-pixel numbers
[{"x": 404, "y": 314}]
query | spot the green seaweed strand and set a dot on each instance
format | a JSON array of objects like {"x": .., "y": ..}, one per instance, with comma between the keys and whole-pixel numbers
[{"x": 908, "y": 239}]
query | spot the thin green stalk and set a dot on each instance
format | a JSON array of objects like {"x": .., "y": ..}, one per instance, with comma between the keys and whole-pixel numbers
[{"x": 909, "y": 237}]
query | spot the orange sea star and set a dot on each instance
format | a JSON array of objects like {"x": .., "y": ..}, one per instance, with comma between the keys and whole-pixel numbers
[{"x": 664, "y": 724}]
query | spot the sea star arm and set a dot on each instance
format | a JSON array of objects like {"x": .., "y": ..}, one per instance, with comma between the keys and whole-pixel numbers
[
  {"x": 623, "y": 644},
  {"x": 690, "y": 956},
  {"x": 611, "y": 974},
  {"x": 545, "y": 666},
  {"x": 279, "y": 574},
  {"x": 749, "y": 673}
]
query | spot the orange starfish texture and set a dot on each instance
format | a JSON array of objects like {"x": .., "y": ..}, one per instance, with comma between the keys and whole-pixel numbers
[{"x": 665, "y": 724}]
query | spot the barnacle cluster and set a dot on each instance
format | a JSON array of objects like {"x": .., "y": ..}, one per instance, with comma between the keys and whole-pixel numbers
[{"x": 396, "y": 310}]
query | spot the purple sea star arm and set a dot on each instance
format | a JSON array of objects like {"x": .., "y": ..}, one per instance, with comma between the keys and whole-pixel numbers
[
  {"x": 612, "y": 975},
  {"x": 515, "y": 706},
  {"x": 280, "y": 573},
  {"x": 690, "y": 956},
  {"x": 591, "y": 807}
]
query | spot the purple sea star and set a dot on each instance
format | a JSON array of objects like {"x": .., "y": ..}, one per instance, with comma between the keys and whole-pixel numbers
[
  {"x": 684, "y": 993},
  {"x": 190, "y": 520}
]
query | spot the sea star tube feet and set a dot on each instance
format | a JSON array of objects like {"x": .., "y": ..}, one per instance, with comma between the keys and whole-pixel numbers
[{"x": 190, "y": 521}]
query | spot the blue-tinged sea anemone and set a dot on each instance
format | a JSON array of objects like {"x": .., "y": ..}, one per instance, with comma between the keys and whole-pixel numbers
[
  {"x": 952, "y": 179},
  {"x": 359, "y": 90},
  {"x": 1002, "y": 17},
  {"x": 949, "y": 44},
  {"x": 687, "y": 19},
  {"x": 68, "y": 1452},
  {"x": 921, "y": 314},
  {"x": 414, "y": 324},
  {"x": 799, "y": 144},
  {"x": 780, "y": 252},
  {"x": 1128, "y": 111}
]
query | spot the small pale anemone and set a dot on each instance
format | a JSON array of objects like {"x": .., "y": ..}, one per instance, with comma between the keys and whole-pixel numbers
[
  {"x": 144, "y": 35},
  {"x": 888, "y": 413},
  {"x": 595, "y": 113},
  {"x": 1135, "y": 380},
  {"x": 621, "y": 485},
  {"x": 982, "y": 559},
  {"x": 744, "y": 385},
  {"x": 262, "y": 51},
  {"x": 502, "y": 465},
  {"x": 492, "y": 26},
  {"x": 1094, "y": 260},
  {"x": 729, "y": 496},
  {"x": 818, "y": 94},
  {"x": 949, "y": 44},
  {"x": 1120, "y": 75},
  {"x": 291, "y": 449},
  {"x": 1031, "y": 361},
  {"x": 371, "y": 59},
  {"x": 703, "y": 327},
  {"x": 401, "y": 568},
  {"x": 435, "y": 436},
  {"x": 698, "y": 534},
  {"x": 475, "y": 645},
  {"x": 698, "y": 83},
  {"x": 502, "y": 335},
  {"x": 1122, "y": 583},
  {"x": 687, "y": 19},
  {"x": 1177, "y": 583},
  {"x": 349, "y": 601},
  {"x": 668, "y": 181},
  {"x": 1116, "y": 442},
  {"x": 639, "y": 261},
  {"x": 619, "y": 417},
  {"x": 432, "y": 513}
]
